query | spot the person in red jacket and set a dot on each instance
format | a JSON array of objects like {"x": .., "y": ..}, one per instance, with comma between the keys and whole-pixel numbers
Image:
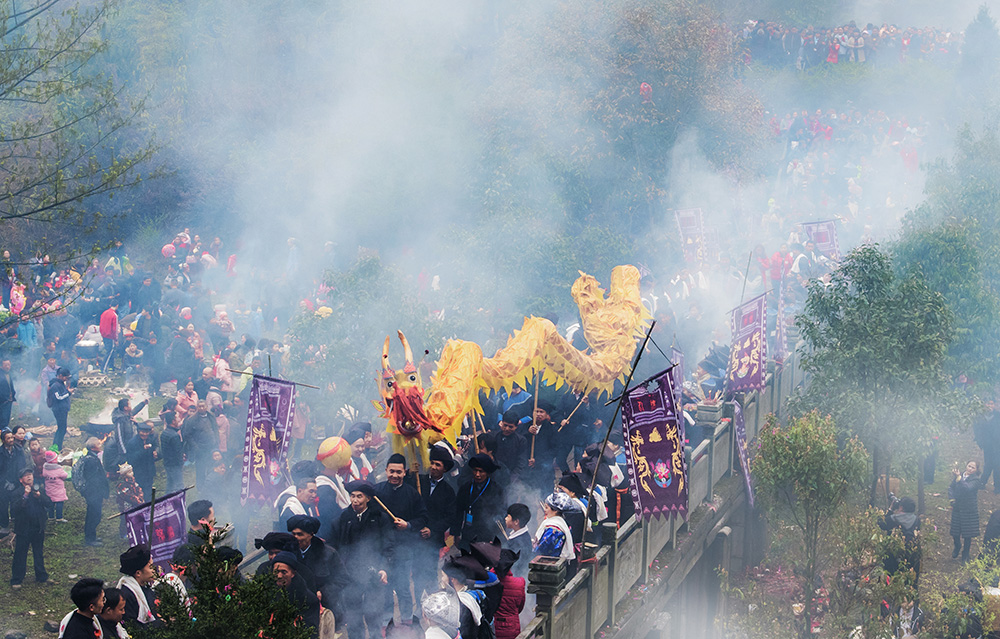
[
  {"x": 507, "y": 620},
  {"x": 109, "y": 332}
]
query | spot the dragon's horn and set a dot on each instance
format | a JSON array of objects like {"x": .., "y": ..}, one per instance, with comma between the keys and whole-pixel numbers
[
  {"x": 406, "y": 347},
  {"x": 385, "y": 355}
]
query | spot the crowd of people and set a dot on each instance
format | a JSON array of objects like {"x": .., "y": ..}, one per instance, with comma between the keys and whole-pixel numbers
[
  {"x": 780, "y": 45},
  {"x": 342, "y": 541},
  {"x": 377, "y": 541}
]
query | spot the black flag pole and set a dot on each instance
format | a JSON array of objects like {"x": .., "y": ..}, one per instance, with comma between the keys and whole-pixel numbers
[{"x": 621, "y": 398}]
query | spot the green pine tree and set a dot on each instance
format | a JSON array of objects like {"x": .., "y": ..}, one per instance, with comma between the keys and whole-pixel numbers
[{"x": 225, "y": 605}]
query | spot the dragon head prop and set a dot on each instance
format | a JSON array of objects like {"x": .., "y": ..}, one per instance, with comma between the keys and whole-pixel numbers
[{"x": 403, "y": 395}]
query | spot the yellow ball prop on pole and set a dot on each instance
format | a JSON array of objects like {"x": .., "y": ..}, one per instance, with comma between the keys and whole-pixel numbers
[{"x": 334, "y": 453}]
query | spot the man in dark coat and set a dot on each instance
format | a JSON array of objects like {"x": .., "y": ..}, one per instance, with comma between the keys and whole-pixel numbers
[
  {"x": 88, "y": 597},
  {"x": 512, "y": 447},
  {"x": 544, "y": 433},
  {"x": 326, "y": 572},
  {"x": 58, "y": 399},
  {"x": 143, "y": 451},
  {"x": 286, "y": 569},
  {"x": 30, "y": 514},
  {"x": 172, "y": 454},
  {"x": 438, "y": 497},
  {"x": 95, "y": 490},
  {"x": 365, "y": 543},
  {"x": 201, "y": 438},
  {"x": 479, "y": 504},
  {"x": 123, "y": 419},
  {"x": 7, "y": 393},
  {"x": 139, "y": 573},
  {"x": 405, "y": 504},
  {"x": 12, "y": 459}
]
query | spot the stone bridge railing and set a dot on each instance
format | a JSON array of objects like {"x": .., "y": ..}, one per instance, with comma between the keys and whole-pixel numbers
[{"x": 603, "y": 595}]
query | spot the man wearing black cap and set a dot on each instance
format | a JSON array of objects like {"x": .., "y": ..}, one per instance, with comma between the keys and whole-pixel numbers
[
  {"x": 143, "y": 451},
  {"x": 138, "y": 574},
  {"x": 438, "y": 497},
  {"x": 406, "y": 506},
  {"x": 358, "y": 437},
  {"x": 512, "y": 447},
  {"x": 544, "y": 433},
  {"x": 365, "y": 543},
  {"x": 479, "y": 505},
  {"x": 30, "y": 510},
  {"x": 327, "y": 574},
  {"x": 286, "y": 574},
  {"x": 576, "y": 517},
  {"x": 273, "y": 543},
  {"x": 58, "y": 400}
]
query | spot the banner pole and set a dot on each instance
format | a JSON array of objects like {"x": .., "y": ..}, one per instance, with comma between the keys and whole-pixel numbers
[
  {"x": 621, "y": 398},
  {"x": 746, "y": 275},
  {"x": 152, "y": 515}
]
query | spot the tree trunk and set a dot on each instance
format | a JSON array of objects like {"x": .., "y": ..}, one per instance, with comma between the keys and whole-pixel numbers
[
  {"x": 875, "y": 474},
  {"x": 920, "y": 487}
]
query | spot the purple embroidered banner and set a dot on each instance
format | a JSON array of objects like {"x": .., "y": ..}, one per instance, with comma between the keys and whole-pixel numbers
[
  {"x": 692, "y": 230},
  {"x": 824, "y": 236},
  {"x": 740, "y": 428},
  {"x": 169, "y": 531},
  {"x": 748, "y": 351},
  {"x": 654, "y": 448},
  {"x": 271, "y": 412}
]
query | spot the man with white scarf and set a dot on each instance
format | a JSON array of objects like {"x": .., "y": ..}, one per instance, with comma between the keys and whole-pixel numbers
[
  {"x": 138, "y": 574},
  {"x": 302, "y": 503},
  {"x": 82, "y": 623}
]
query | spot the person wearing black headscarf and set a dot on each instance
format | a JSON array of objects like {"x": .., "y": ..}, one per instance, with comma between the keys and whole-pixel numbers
[
  {"x": 286, "y": 573},
  {"x": 410, "y": 517},
  {"x": 366, "y": 545},
  {"x": 326, "y": 572},
  {"x": 438, "y": 497},
  {"x": 479, "y": 506}
]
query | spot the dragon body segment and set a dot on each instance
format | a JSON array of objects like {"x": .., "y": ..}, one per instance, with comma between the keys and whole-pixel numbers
[{"x": 611, "y": 326}]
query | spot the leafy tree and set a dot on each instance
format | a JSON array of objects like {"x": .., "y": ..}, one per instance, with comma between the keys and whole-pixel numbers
[
  {"x": 950, "y": 258},
  {"x": 875, "y": 345},
  {"x": 980, "y": 53},
  {"x": 63, "y": 146},
  {"x": 804, "y": 479},
  {"x": 952, "y": 239}
]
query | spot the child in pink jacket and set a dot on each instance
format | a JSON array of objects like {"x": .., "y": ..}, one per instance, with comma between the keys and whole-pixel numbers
[{"x": 55, "y": 485}]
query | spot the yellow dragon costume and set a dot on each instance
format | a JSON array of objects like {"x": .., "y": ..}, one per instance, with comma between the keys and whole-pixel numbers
[{"x": 611, "y": 327}]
